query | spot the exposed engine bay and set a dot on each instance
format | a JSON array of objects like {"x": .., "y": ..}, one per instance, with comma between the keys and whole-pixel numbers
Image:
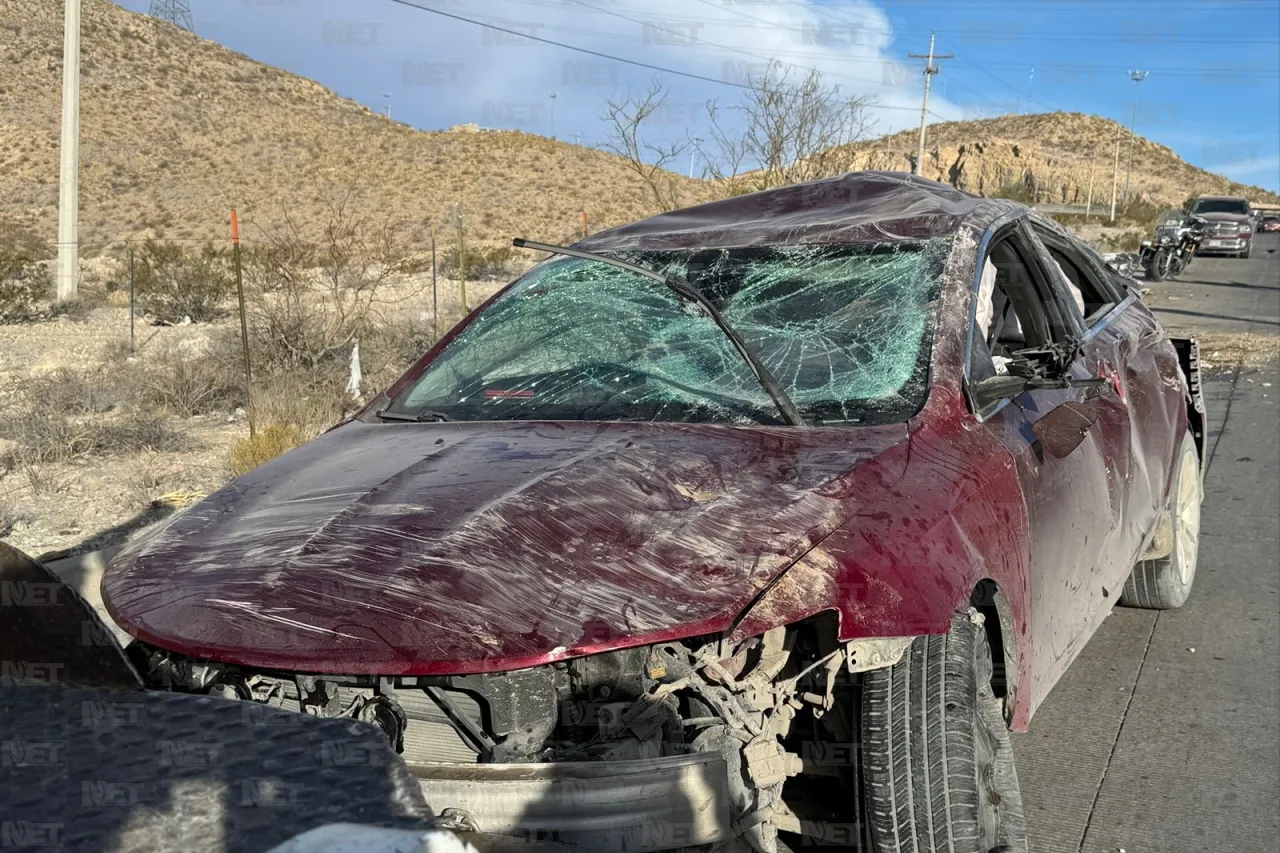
[{"x": 775, "y": 707}]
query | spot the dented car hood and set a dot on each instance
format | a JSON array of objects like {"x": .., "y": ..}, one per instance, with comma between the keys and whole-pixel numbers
[{"x": 418, "y": 549}]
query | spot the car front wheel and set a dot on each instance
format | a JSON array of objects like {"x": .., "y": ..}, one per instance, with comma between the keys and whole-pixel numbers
[
  {"x": 1165, "y": 582},
  {"x": 937, "y": 758}
]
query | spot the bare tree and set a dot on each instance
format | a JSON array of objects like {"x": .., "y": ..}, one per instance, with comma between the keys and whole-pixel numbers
[
  {"x": 649, "y": 160},
  {"x": 312, "y": 296},
  {"x": 786, "y": 130}
]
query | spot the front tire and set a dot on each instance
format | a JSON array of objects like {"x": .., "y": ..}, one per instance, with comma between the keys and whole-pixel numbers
[
  {"x": 1248, "y": 250},
  {"x": 1156, "y": 266},
  {"x": 937, "y": 759},
  {"x": 1165, "y": 582}
]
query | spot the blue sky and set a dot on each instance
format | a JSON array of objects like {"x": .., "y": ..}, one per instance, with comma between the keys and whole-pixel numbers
[{"x": 1213, "y": 93}]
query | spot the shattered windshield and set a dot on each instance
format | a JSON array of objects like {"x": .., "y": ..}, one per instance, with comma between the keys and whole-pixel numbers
[{"x": 846, "y": 330}]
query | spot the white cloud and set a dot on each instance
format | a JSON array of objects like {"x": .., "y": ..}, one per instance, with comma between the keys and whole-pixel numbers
[{"x": 497, "y": 79}]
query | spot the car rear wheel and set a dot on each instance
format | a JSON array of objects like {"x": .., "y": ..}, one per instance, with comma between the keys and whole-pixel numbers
[
  {"x": 1165, "y": 582},
  {"x": 937, "y": 759}
]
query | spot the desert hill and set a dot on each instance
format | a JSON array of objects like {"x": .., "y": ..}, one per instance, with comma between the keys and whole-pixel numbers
[
  {"x": 1051, "y": 154},
  {"x": 176, "y": 130}
]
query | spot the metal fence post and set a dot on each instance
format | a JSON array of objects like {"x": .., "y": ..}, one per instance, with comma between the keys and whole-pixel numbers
[
  {"x": 132, "y": 297},
  {"x": 244, "y": 323}
]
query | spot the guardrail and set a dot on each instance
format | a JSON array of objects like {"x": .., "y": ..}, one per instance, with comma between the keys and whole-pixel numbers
[{"x": 1067, "y": 208}]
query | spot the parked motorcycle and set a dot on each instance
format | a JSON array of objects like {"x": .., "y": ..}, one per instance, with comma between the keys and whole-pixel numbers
[{"x": 1176, "y": 241}]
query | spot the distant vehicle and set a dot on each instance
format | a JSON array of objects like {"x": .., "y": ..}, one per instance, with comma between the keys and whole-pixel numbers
[
  {"x": 1230, "y": 227},
  {"x": 1177, "y": 240},
  {"x": 1266, "y": 216}
]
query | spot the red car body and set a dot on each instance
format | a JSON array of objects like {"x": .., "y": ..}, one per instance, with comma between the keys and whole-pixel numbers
[{"x": 455, "y": 548}]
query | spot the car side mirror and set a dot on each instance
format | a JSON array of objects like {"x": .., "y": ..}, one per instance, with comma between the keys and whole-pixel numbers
[
  {"x": 996, "y": 388},
  {"x": 1064, "y": 429},
  {"x": 1007, "y": 386}
]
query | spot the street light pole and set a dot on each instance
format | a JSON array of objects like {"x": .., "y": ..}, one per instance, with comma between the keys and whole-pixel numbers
[
  {"x": 387, "y": 95},
  {"x": 553, "y": 96},
  {"x": 1137, "y": 77},
  {"x": 69, "y": 172},
  {"x": 693, "y": 155}
]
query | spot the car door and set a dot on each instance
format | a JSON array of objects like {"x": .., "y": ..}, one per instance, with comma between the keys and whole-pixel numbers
[
  {"x": 1074, "y": 503},
  {"x": 1123, "y": 336}
]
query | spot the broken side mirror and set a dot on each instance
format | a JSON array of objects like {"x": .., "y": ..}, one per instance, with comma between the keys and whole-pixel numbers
[
  {"x": 996, "y": 388},
  {"x": 1007, "y": 386},
  {"x": 1064, "y": 429}
]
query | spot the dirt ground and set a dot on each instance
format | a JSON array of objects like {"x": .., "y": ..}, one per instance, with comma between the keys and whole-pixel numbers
[{"x": 81, "y": 505}]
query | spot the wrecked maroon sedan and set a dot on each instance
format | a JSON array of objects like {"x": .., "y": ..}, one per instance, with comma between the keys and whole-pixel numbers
[{"x": 750, "y": 525}]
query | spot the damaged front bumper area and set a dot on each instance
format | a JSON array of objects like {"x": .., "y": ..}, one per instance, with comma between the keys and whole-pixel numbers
[{"x": 662, "y": 747}]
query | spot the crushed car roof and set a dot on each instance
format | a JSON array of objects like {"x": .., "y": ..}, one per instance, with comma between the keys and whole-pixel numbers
[{"x": 852, "y": 208}]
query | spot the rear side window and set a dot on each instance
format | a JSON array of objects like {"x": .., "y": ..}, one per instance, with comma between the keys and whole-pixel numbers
[{"x": 1094, "y": 296}]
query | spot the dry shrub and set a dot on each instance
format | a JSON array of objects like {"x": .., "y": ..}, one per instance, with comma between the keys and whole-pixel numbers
[
  {"x": 173, "y": 283},
  {"x": 24, "y": 284},
  {"x": 9, "y": 517},
  {"x": 310, "y": 400},
  {"x": 266, "y": 444},
  {"x": 70, "y": 392},
  {"x": 313, "y": 293},
  {"x": 190, "y": 388},
  {"x": 187, "y": 386},
  {"x": 393, "y": 347},
  {"x": 46, "y": 435},
  {"x": 482, "y": 263},
  {"x": 66, "y": 416}
]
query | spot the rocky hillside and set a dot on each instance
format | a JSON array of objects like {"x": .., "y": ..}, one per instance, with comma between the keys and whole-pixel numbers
[
  {"x": 1051, "y": 154},
  {"x": 176, "y": 130}
]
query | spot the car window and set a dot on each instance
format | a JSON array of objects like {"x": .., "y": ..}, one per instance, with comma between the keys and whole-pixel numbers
[
  {"x": 1092, "y": 294},
  {"x": 846, "y": 331},
  {"x": 1010, "y": 314}
]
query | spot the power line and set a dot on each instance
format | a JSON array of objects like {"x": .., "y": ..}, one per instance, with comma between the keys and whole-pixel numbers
[
  {"x": 616, "y": 58},
  {"x": 729, "y": 48},
  {"x": 587, "y": 51}
]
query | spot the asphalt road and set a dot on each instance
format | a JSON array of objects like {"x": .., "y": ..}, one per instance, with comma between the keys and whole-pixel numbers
[{"x": 1165, "y": 734}]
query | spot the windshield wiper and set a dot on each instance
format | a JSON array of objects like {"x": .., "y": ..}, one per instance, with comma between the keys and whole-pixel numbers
[
  {"x": 425, "y": 416},
  {"x": 688, "y": 292}
]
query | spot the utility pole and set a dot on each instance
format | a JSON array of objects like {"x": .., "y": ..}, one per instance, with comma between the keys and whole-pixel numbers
[
  {"x": 1093, "y": 168},
  {"x": 929, "y": 70},
  {"x": 1115, "y": 172},
  {"x": 69, "y": 175},
  {"x": 1137, "y": 77},
  {"x": 693, "y": 155},
  {"x": 387, "y": 95}
]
